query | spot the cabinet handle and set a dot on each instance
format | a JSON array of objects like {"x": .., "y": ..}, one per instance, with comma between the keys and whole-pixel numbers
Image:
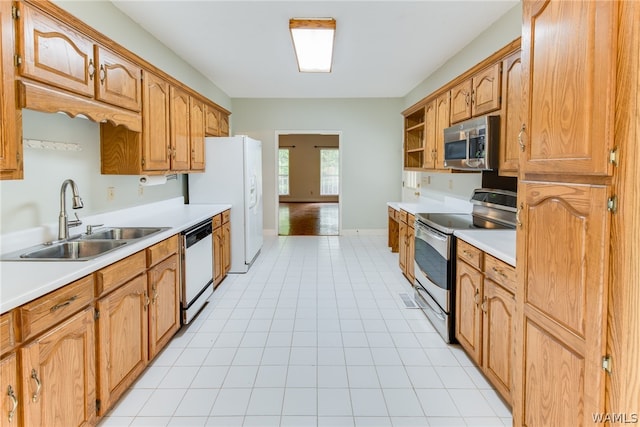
[
  {"x": 92, "y": 69},
  {"x": 14, "y": 400},
  {"x": 473, "y": 97},
  {"x": 483, "y": 307},
  {"x": 476, "y": 297},
  {"x": 63, "y": 304},
  {"x": 146, "y": 300},
  {"x": 155, "y": 293},
  {"x": 467, "y": 97},
  {"x": 34, "y": 376},
  {"x": 518, "y": 222},
  {"x": 523, "y": 129},
  {"x": 467, "y": 253},
  {"x": 103, "y": 73}
]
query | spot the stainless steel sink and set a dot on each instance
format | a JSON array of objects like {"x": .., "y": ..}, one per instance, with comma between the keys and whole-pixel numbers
[
  {"x": 72, "y": 250},
  {"x": 122, "y": 233}
]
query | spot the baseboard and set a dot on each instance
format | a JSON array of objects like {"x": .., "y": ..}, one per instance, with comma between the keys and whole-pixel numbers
[
  {"x": 269, "y": 232},
  {"x": 364, "y": 232}
]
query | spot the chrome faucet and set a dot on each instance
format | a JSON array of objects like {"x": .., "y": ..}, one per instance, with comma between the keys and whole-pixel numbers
[{"x": 63, "y": 223}]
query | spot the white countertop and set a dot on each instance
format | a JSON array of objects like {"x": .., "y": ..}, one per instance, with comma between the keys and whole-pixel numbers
[
  {"x": 23, "y": 281},
  {"x": 426, "y": 205},
  {"x": 499, "y": 243}
]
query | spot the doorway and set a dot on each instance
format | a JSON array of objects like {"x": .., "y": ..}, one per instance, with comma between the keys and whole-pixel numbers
[{"x": 308, "y": 167}]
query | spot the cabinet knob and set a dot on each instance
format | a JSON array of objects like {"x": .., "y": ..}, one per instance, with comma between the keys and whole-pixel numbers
[{"x": 523, "y": 129}]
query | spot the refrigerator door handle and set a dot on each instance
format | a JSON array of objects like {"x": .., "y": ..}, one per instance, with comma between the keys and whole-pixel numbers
[{"x": 253, "y": 194}]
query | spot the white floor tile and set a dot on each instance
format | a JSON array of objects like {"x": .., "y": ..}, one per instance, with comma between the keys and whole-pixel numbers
[
  {"x": 298, "y": 421},
  {"x": 303, "y": 356},
  {"x": 276, "y": 356},
  {"x": 179, "y": 377},
  {"x": 231, "y": 402},
  {"x": 436, "y": 402},
  {"x": 266, "y": 401},
  {"x": 131, "y": 402},
  {"x": 335, "y": 421},
  {"x": 331, "y": 356},
  {"x": 271, "y": 376},
  {"x": 402, "y": 402},
  {"x": 301, "y": 376},
  {"x": 332, "y": 377},
  {"x": 279, "y": 339},
  {"x": 334, "y": 402},
  {"x": 393, "y": 377},
  {"x": 358, "y": 356},
  {"x": 300, "y": 401},
  {"x": 403, "y": 421},
  {"x": 248, "y": 356},
  {"x": 162, "y": 402},
  {"x": 197, "y": 403},
  {"x": 210, "y": 377},
  {"x": 368, "y": 403},
  {"x": 373, "y": 422},
  {"x": 423, "y": 377},
  {"x": 150, "y": 421},
  {"x": 240, "y": 377},
  {"x": 385, "y": 356},
  {"x": 413, "y": 357}
]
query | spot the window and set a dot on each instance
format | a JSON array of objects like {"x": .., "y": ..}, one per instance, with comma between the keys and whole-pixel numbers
[
  {"x": 283, "y": 171},
  {"x": 329, "y": 171}
]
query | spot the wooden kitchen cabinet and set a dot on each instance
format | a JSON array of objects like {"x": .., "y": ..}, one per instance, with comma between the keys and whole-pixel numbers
[
  {"x": 10, "y": 399},
  {"x": 196, "y": 133},
  {"x": 224, "y": 124},
  {"x": 180, "y": 144},
  {"x": 10, "y": 116},
  {"x": 429, "y": 155},
  {"x": 211, "y": 121},
  {"x": 414, "y": 139},
  {"x": 57, "y": 371},
  {"x": 156, "y": 124},
  {"x": 221, "y": 246},
  {"x": 512, "y": 115},
  {"x": 122, "y": 337},
  {"x": 57, "y": 54},
  {"x": 442, "y": 122},
  {"x": 393, "y": 230},
  {"x": 164, "y": 309},
  {"x": 406, "y": 244},
  {"x": 563, "y": 256},
  {"x": 478, "y": 95},
  {"x": 469, "y": 282},
  {"x": 568, "y": 67},
  {"x": 485, "y": 314}
]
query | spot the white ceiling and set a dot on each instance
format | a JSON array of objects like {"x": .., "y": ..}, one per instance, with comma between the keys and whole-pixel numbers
[{"x": 383, "y": 48}]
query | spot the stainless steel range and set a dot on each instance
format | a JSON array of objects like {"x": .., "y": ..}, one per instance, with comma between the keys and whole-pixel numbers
[{"x": 435, "y": 252}]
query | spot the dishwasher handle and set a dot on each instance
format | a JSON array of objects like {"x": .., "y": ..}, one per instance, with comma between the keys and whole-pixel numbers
[{"x": 197, "y": 233}]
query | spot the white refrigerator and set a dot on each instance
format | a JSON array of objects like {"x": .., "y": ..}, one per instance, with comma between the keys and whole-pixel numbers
[{"x": 233, "y": 175}]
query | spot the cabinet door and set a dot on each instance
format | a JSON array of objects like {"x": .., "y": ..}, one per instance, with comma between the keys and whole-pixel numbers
[
  {"x": 196, "y": 134},
  {"x": 218, "y": 256},
  {"x": 224, "y": 124},
  {"x": 226, "y": 247},
  {"x": 212, "y": 121},
  {"x": 402, "y": 246},
  {"x": 156, "y": 130},
  {"x": 486, "y": 90},
  {"x": 180, "y": 147},
  {"x": 442, "y": 122},
  {"x": 410, "y": 253},
  {"x": 118, "y": 81},
  {"x": 10, "y": 403},
  {"x": 468, "y": 312},
  {"x": 461, "y": 101},
  {"x": 429, "y": 158},
  {"x": 164, "y": 310},
  {"x": 568, "y": 66},
  {"x": 58, "y": 375},
  {"x": 54, "y": 53},
  {"x": 512, "y": 114},
  {"x": 563, "y": 250},
  {"x": 122, "y": 335},
  {"x": 10, "y": 126},
  {"x": 498, "y": 307}
]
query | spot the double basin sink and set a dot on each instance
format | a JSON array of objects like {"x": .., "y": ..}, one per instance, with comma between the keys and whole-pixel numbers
[{"x": 86, "y": 246}]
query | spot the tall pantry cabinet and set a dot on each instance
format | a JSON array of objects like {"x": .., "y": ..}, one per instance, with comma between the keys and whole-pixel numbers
[{"x": 567, "y": 204}]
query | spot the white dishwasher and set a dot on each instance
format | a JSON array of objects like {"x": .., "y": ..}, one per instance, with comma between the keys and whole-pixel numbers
[{"x": 197, "y": 269}]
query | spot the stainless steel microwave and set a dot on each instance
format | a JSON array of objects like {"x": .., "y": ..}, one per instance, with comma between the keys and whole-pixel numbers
[{"x": 472, "y": 144}]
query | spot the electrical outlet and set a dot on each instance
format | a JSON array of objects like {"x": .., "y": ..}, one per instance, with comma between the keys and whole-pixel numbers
[
  {"x": 140, "y": 190},
  {"x": 111, "y": 193}
]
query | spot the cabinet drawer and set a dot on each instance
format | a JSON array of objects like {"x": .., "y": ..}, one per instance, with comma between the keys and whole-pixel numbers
[
  {"x": 217, "y": 221},
  {"x": 401, "y": 216},
  {"x": 162, "y": 250},
  {"x": 500, "y": 272},
  {"x": 411, "y": 219},
  {"x": 225, "y": 216},
  {"x": 470, "y": 254},
  {"x": 392, "y": 213},
  {"x": 120, "y": 272},
  {"x": 56, "y": 306},
  {"x": 7, "y": 332}
]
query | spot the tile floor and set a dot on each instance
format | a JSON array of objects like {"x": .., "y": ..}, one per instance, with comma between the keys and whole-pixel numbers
[{"x": 314, "y": 335}]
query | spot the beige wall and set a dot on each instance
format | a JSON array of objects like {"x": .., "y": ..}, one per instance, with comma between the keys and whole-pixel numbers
[{"x": 304, "y": 166}]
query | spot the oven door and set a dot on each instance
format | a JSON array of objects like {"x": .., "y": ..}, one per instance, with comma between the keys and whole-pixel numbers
[{"x": 433, "y": 263}]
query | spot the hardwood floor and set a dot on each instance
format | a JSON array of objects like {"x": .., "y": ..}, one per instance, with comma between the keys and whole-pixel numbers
[{"x": 308, "y": 219}]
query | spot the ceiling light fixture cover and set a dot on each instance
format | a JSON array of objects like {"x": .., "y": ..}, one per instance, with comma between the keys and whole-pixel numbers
[{"x": 313, "y": 43}]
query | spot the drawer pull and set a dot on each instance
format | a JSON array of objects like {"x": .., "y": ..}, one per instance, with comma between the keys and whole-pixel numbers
[
  {"x": 476, "y": 297},
  {"x": 155, "y": 294},
  {"x": 64, "y": 304},
  {"x": 467, "y": 253},
  {"x": 34, "y": 375},
  {"x": 14, "y": 401},
  {"x": 483, "y": 307}
]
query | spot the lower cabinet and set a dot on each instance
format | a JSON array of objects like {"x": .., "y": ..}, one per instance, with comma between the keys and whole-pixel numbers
[
  {"x": 221, "y": 246},
  {"x": 58, "y": 374},
  {"x": 10, "y": 413},
  {"x": 164, "y": 308},
  {"x": 485, "y": 309},
  {"x": 406, "y": 244}
]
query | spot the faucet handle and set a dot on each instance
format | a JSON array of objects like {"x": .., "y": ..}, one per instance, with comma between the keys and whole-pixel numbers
[
  {"x": 90, "y": 227},
  {"x": 74, "y": 222}
]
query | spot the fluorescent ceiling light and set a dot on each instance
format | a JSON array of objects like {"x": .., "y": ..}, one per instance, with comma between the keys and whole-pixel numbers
[{"x": 313, "y": 43}]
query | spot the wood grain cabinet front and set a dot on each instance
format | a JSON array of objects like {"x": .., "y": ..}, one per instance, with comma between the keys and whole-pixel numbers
[
  {"x": 478, "y": 95},
  {"x": 10, "y": 399},
  {"x": 221, "y": 246},
  {"x": 57, "y": 374},
  {"x": 164, "y": 307}
]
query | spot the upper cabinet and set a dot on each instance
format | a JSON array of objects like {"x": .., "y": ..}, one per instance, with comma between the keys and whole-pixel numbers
[
  {"x": 477, "y": 92},
  {"x": 10, "y": 117},
  {"x": 118, "y": 81},
  {"x": 568, "y": 67},
  {"x": 512, "y": 114},
  {"x": 196, "y": 133},
  {"x": 478, "y": 95}
]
